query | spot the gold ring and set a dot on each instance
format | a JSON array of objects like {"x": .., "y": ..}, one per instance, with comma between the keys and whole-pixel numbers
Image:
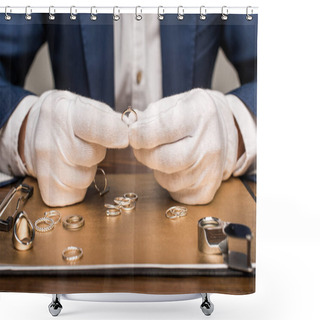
[
  {"x": 73, "y": 222},
  {"x": 72, "y": 254},
  {"x": 129, "y": 110}
]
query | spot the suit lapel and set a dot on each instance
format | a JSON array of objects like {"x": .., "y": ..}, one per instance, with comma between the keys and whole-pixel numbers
[{"x": 97, "y": 37}]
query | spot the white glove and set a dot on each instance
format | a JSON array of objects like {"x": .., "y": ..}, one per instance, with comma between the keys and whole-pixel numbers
[
  {"x": 66, "y": 137},
  {"x": 191, "y": 142}
]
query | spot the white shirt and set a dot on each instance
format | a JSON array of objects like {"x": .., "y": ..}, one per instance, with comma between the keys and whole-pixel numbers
[{"x": 138, "y": 82}]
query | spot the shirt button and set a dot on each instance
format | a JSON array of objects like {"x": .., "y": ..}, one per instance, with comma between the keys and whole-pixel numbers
[{"x": 139, "y": 77}]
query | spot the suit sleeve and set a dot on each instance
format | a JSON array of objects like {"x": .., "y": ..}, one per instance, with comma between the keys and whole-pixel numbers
[
  {"x": 19, "y": 42},
  {"x": 239, "y": 42}
]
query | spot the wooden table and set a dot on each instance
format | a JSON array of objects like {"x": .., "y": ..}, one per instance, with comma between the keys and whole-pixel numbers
[{"x": 141, "y": 252}]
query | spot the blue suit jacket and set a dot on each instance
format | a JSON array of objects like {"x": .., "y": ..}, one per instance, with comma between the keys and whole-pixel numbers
[{"x": 82, "y": 58}]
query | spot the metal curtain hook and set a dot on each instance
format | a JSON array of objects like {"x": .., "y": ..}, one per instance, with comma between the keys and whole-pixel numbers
[
  {"x": 138, "y": 16},
  {"x": 249, "y": 13},
  {"x": 203, "y": 13},
  {"x": 180, "y": 13},
  {"x": 160, "y": 15},
  {"x": 28, "y": 13},
  {"x": 116, "y": 17},
  {"x": 73, "y": 13},
  {"x": 6, "y": 14},
  {"x": 93, "y": 13},
  {"x": 224, "y": 13},
  {"x": 52, "y": 11}
]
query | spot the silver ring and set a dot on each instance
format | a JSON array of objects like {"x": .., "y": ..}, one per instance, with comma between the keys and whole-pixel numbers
[
  {"x": 72, "y": 254},
  {"x": 249, "y": 14},
  {"x": 160, "y": 15},
  {"x": 131, "y": 195},
  {"x": 103, "y": 190},
  {"x": 112, "y": 210},
  {"x": 7, "y": 10},
  {"x": 49, "y": 222},
  {"x": 122, "y": 200},
  {"x": 176, "y": 212},
  {"x": 138, "y": 16},
  {"x": 127, "y": 207},
  {"x": 224, "y": 13},
  {"x": 73, "y": 13},
  {"x": 23, "y": 234},
  {"x": 180, "y": 15},
  {"x": 116, "y": 17},
  {"x": 53, "y": 214},
  {"x": 52, "y": 11},
  {"x": 93, "y": 15},
  {"x": 203, "y": 13},
  {"x": 28, "y": 13},
  {"x": 73, "y": 222},
  {"x": 129, "y": 110}
]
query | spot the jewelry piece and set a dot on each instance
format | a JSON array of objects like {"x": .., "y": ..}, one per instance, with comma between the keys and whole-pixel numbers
[
  {"x": 73, "y": 222},
  {"x": 23, "y": 232},
  {"x": 127, "y": 207},
  {"x": 129, "y": 110},
  {"x": 72, "y": 253},
  {"x": 176, "y": 212},
  {"x": 211, "y": 237},
  {"x": 53, "y": 214},
  {"x": 112, "y": 210},
  {"x": 49, "y": 222},
  {"x": 105, "y": 187},
  {"x": 122, "y": 201},
  {"x": 131, "y": 195}
]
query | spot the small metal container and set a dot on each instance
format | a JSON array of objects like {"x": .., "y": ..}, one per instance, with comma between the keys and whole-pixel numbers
[{"x": 210, "y": 235}]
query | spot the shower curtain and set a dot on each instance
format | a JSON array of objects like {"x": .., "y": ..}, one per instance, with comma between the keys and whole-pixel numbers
[{"x": 137, "y": 164}]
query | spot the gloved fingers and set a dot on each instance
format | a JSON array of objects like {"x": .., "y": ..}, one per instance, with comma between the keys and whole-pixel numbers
[
  {"x": 187, "y": 183},
  {"x": 169, "y": 158},
  {"x": 83, "y": 153},
  {"x": 56, "y": 194},
  {"x": 76, "y": 177},
  {"x": 167, "y": 125},
  {"x": 196, "y": 196},
  {"x": 96, "y": 122}
]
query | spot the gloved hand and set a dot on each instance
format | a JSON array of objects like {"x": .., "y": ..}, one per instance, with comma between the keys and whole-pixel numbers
[
  {"x": 66, "y": 137},
  {"x": 191, "y": 142}
]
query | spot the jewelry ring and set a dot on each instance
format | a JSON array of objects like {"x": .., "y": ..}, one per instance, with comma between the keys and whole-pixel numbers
[
  {"x": 104, "y": 189},
  {"x": 73, "y": 222},
  {"x": 176, "y": 212},
  {"x": 128, "y": 207},
  {"x": 131, "y": 195},
  {"x": 23, "y": 233},
  {"x": 129, "y": 110},
  {"x": 122, "y": 201},
  {"x": 72, "y": 253},
  {"x": 49, "y": 222},
  {"x": 112, "y": 210},
  {"x": 53, "y": 214}
]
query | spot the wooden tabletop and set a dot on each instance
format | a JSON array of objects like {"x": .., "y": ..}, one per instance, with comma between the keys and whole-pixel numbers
[{"x": 141, "y": 252}]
